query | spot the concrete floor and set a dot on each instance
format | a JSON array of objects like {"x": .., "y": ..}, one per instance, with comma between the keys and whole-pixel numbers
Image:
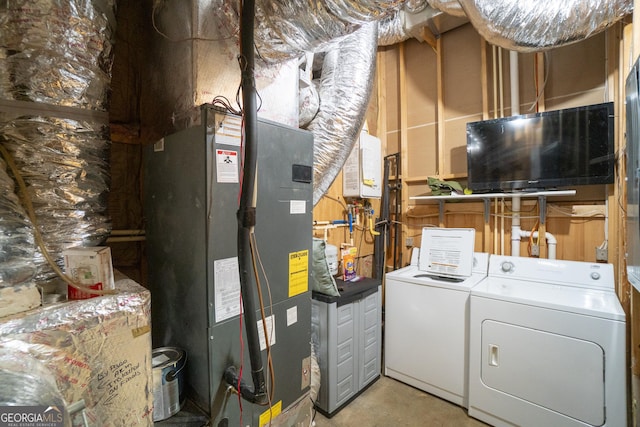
[{"x": 391, "y": 403}]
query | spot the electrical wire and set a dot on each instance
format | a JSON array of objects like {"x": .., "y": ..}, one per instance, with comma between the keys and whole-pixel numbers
[
  {"x": 255, "y": 257},
  {"x": 343, "y": 204},
  {"x": 223, "y": 102},
  {"x": 28, "y": 205},
  {"x": 242, "y": 63}
]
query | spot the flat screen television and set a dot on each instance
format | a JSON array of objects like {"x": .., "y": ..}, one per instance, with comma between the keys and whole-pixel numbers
[{"x": 542, "y": 151}]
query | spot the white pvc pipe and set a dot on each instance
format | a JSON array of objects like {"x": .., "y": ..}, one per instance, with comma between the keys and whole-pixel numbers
[
  {"x": 551, "y": 241},
  {"x": 515, "y": 83},
  {"x": 515, "y": 226}
]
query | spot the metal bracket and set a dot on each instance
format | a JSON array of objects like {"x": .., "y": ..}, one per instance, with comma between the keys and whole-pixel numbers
[
  {"x": 542, "y": 203},
  {"x": 487, "y": 210}
]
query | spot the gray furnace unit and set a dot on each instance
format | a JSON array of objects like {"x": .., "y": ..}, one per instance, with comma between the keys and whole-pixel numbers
[{"x": 191, "y": 195}]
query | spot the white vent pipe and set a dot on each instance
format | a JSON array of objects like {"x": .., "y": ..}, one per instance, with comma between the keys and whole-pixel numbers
[
  {"x": 515, "y": 83},
  {"x": 515, "y": 226}
]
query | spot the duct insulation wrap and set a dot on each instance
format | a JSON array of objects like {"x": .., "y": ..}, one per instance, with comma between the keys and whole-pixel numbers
[
  {"x": 97, "y": 350},
  {"x": 25, "y": 381},
  {"x": 55, "y": 65},
  {"x": 16, "y": 236},
  {"x": 64, "y": 163},
  {"x": 391, "y": 30},
  {"x": 346, "y": 84},
  {"x": 287, "y": 29},
  {"x": 451, "y": 7},
  {"x": 529, "y": 26}
]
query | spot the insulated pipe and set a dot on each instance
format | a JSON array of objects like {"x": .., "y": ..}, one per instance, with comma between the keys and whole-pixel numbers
[{"x": 247, "y": 214}]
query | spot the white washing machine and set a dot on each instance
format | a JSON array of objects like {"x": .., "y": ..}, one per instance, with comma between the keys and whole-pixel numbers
[
  {"x": 426, "y": 329},
  {"x": 547, "y": 345}
]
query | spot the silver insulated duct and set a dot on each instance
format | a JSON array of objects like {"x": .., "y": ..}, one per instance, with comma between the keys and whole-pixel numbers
[
  {"x": 450, "y": 7},
  {"x": 55, "y": 65},
  {"x": 290, "y": 28},
  {"x": 345, "y": 89},
  {"x": 16, "y": 236},
  {"x": 529, "y": 26},
  {"x": 347, "y": 31}
]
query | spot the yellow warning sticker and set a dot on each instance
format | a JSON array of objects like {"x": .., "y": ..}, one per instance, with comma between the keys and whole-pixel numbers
[
  {"x": 270, "y": 414},
  {"x": 298, "y": 272}
]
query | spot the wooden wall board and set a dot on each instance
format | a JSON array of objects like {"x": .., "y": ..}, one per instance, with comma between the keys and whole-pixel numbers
[
  {"x": 393, "y": 142},
  {"x": 455, "y": 145},
  {"x": 592, "y": 96},
  {"x": 390, "y": 59},
  {"x": 461, "y": 72},
  {"x": 577, "y": 237},
  {"x": 577, "y": 67},
  {"x": 419, "y": 188},
  {"x": 421, "y": 142},
  {"x": 421, "y": 83}
]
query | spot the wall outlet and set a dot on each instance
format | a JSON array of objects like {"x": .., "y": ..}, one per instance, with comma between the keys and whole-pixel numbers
[
  {"x": 409, "y": 242},
  {"x": 535, "y": 250},
  {"x": 602, "y": 255}
]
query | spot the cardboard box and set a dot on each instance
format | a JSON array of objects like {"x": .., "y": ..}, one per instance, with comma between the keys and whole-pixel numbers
[{"x": 89, "y": 266}]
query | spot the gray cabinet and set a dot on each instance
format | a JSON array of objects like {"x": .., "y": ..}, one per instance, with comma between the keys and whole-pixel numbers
[{"x": 346, "y": 331}]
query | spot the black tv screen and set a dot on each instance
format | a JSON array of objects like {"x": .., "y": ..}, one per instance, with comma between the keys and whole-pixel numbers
[{"x": 560, "y": 148}]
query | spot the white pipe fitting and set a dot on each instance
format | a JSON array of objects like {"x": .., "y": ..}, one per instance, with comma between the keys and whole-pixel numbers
[{"x": 551, "y": 241}]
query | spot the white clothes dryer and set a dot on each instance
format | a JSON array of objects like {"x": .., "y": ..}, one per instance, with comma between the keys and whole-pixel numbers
[
  {"x": 547, "y": 345},
  {"x": 426, "y": 337}
]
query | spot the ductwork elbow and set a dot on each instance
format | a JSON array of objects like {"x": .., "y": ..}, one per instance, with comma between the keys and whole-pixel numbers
[{"x": 345, "y": 90}]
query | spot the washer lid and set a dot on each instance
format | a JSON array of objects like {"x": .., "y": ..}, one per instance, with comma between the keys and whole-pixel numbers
[
  {"x": 592, "y": 302},
  {"x": 414, "y": 275}
]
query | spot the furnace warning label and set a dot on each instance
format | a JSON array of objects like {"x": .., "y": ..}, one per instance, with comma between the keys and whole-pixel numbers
[
  {"x": 298, "y": 272},
  {"x": 227, "y": 166}
]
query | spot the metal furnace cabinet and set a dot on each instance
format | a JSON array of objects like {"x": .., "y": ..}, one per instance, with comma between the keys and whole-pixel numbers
[
  {"x": 191, "y": 194},
  {"x": 347, "y": 333}
]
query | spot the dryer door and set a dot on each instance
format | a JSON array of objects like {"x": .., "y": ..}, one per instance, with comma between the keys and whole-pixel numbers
[{"x": 560, "y": 373}]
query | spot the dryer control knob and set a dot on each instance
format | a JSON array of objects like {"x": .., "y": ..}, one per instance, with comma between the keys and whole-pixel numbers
[
  {"x": 507, "y": 266},
  {"x": 595, "y": 275}
]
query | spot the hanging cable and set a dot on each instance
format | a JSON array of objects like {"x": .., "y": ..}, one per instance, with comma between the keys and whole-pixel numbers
[{"x": 26, "y": 201}]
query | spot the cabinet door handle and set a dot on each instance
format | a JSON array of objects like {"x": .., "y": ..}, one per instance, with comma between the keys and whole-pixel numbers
[{"x": 493, "y": 354}]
